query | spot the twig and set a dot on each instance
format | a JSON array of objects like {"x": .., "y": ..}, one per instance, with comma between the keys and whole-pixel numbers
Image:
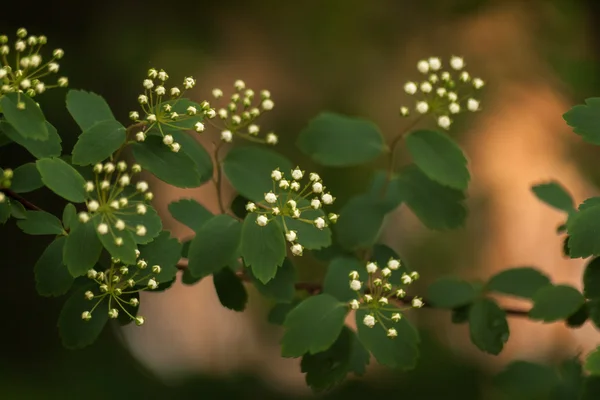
[{"x": 26, "y": 203}]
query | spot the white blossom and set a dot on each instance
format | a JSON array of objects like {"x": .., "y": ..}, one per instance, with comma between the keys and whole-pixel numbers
[
  {"x": 454, "y": 108},
  {"x": 93, "y": 206},
  {"x": 478, "y": 83},
  {"x": 422, "y": 107},
  {"x": 434, "y": 63},
  {"x": 250, "y": 207},
  {"x": 393, "y": 264},
  {"x": 371, "y": 268},
  {"x": 400, "y": 293},
  {"x": 295, "y": 186},
  {"x": 396, "y": 317},
  {"x": 444, "y": 121},
  {"x": 89, "y": 186},
  {"x": 152, "y": 284},
  {"x": 175, "y": 147},
  {"x": 141, "y": 209},
  {"x": 426, "y": 87},
  {"x": 140, "y": 230},
  {"x": 407, "y": 280},
  {"x": 124, "y": 180},
  {"x": 423, "y": 66},
  {"x": 272, "y": 138},
  {"x": 86, "y": 315},
  {"x": 355, "y": 285},
  {"x": 156, "y": 269},
  {"x": 226, "y": 136},
  {"x": 297, "y": 249},
  {"x": 120, "y": 224},
  {"x": 327, "y": 198},
  {"x": 392, "y": 333},
  {"x": 270, "y": 197},
  {"x": 354, "y": 304},
  {"x": 284, "y": 184},
  {"x": 410, "y": 87},
  {"x": 317, "y": 187},
  {"x": 83, "y": 216},
  {"x": 297, "y": 174},
  {"x": 472, "y": 105},
  {"x": 404, "y": 111},
  {"x": 315, "y": 203},
  {"x": 268, "y": 104},
  {"x": 88, "y": 295},
  {"x": 139, "y": 320},
  {"x": 457, "y": 63},
  {"x": 168, "y": 139},
  {"x": 102, "y": 229},
  {"x": 369, "y": 320},
  {"x": 175, "y": 91},
  {"x": 383, "y": 301},
  {"x": 452, "y": 96},
  {"x": 189, "y": 82},
  {"x": 417, "y": 302},
  {"x": 275, "y": 210},
  {"x": 319, "y": 223},
  {"x": 386, "y": 272},
  {"x": 368, "y": 298},
  {"x": 262, "y": 220},
  {"x": 113, "y": 313},
  {"x": 148, "y": 84},
  {"x": 253, "y": 129},
  {"x": 276, "y": 175}
]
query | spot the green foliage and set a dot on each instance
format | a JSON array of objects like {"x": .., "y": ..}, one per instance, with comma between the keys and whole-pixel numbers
[
  {"x": 29, "y": 122},
  {"x": 553, "y": 303},
  {"x": 439, "y": 157},
  {"x": 151, "y": 220},
  {"x": 339, "y": 141},
  {"x": 40, "y": 223},
  {"x": 520, "y": 282},
  {"x": 98, "y": 142},
  {"x": 451, "y": 293},
  {"x": 591, "y": 279},
  {"x": 125, "y": 251},
  {"x": 82, "y": 248},
  {"x": 585, "y": 120},
  {"x": 555, "y": 195},
  {"x": 51, "y": 147},
  {"x": 69, "y": 216},
  {"x": 336, "y": 281},
  {"x": 262, "y": 247},
  {"x": 62, "y": 179},
  {"x": 488, "y": 326},
  {"x": 592, "y": 362},
  {"x": 164, "y": 251},
  {"x": 88, "y": 109},
  {"x": 230, "y": 289},
  {"x": 361, "y": 222},
  {"x": 582, "y": 227},
  {"x": 196, "y": 152},
  {"x": 52, "y": 278},
  {"x": 190, "y": 213},
  {"x": 525, "y": 380},
  {"x": 282, "y": 287},
  {"x": 26, "y": 179}
]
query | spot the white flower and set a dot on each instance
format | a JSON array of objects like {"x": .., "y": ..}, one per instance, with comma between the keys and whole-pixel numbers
[
  {"x": 317, "y": 187},
  {"x": 105, "y": 185},
  {"x": 140, "y": 230},
  {"x": 392, "y": 333},
  {"x": 175, "y": 147},
  {"x": 407, "y": 280},
  {"x": 156, "y": 269},
  {"x": 118, "y": 242},
  {"x": 270, "y": 197},
  {"x": 284, "y": 184},
  {"x": 25, "y": 83},
  {"x": 454, "y": 108},
  {"x": 113, "y": 313},
  {"x": 141, "y": 209},
  {"x": 354, "y": 304},
  {"x": 423, "y": 66},
  {"x": 315, "y": 203},
  {"x": 478, "y": 83},
  {"x": 140, "y": 136},
  {"x": 327, "y": 198},
  {"x": 20, "y": 45},
  {"x": 265, "y": 94},
  {"x": 369, "y": 320},
  {"x": 295, "y": 186},
  {"x": 276, "y": 174},
  {"x": 141, "y": 264},
  {"x": 410, "y": 87},
  {"x": 58, "y": 53},
  {"x": 3, "y": 73},
  {"x": 472, "y": 105},
  {"x": 149, "y": 196},
  {"x": 152, "y": 73},
  {"x": 377, "y": 282},
  {"x": 120, "y": 224},
  {"x": 226, "y": 136},
  {"x": 124, "y": 180},
  {"x": 393, "y": 264},
  {"x": 123, "y": 201},
  {"x": 297, "y": 249},
  {"x": 417, "y": 302},
  {"x": 314, "y": 177},
  {"x": 210, "y": 113},
  {"x": 134, "y": 115},
  {"x": 162, "y": 75},
  {"x": 160, "y": 90},
  {"x": 457, "y": 62},
  {"x": 103, "y": 288},
  {"x": 441, "y": 91},
  {"x": 93, "y": 206},
  {"x": 152, "y": 283},
  {"x": 355, "y": 285},
  {"x": 89, "y": 186},
  {"x": 189, "y": 82},
  {"x": 272, "y": 138},
  {"x": 175, "y": 91},
  {"x": 250, "y": 207},
  {"x": 353, "y": 275},
  {"x": 151, "y": 117},
  {"x": 400, "y": 293},
  {"x": 276, "y": 211},
  {"x": 464, "y": 76},
  {"x": 333, "y": 217},
  {"x": 426, "y": 87},
  {"x": 168, "y": 139},
  {"x": 142, "y": 99},
  {"x": 4, "y": 50},
  {"x": 371, "y": 268},
  {"x": 296, "y": 213},
  {"x": 239, "y": 84},
  {"x": 292, "y": 204},
  {"x": 396, "y": 317},
  {"x": 319, "y": 223},
  {"x": 386, "y": 272},
  {"x": 452, "y": 96},
  {"x": 102, "y": 229},
  {"x": 53, "y": 67},
  {"x": 383, "y": 301},
  {"x": 134, "y": 301},
  {"x": 262, "y": 220},
  {"x": 422, "y": 107},
  {"x": 253, "y": 129},
  {"x": 83, "y": 216},
  {"x": 404, "y": 111},
  {"x": 297, "y": 174},
  {"x": 267, "y": 104},
  {"x": 109, "y": 168},
  {"x": 434, "y": 63},
  {"x": 148, "y": 84},
  {"x": 414, "y": 275},
  {"x": 444, "y": 121},
  {"x": 291, "y": 236},
  {"x": 86, "y": 315},
  {"x": 217, "y": 93}
]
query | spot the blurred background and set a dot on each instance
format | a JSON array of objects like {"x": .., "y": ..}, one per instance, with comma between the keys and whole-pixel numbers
[{"x": 538, "y": 57}]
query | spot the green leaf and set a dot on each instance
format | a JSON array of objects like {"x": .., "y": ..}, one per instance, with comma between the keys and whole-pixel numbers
[
  {"x": 17, "y": 210},
  {"x": 592, "y": 362},
  {"x": 216, "y": 243},
  {"x": 553, "y": 303},
  {"x": 26, "y": 179},
  {"x": 585, "y": 120},
  {"x": 180, "y": 107},
  {"x": 591, "y": 388},
  {"x": 190, "y": 213},
  {"x": 520, "y": 282},
  {"x": 62, "y": 179},
  {"x": 382, "y": 254},
  {"x": 98, "y": 142},
  {"x": 230, "y": 290},
  {"x": 439, "y": 157},
  {"x": 326, "y": 369},
  {"x": 51, "y": 147},
  {"x": 280, "y": 311},
  {"x": 263, "y": 247},
  {"x": 29, "y": 122},
  {"x": 437, "y": 206},
  {"x": 75, "y": 332},
  {"x": 460, "y": 315},
  {"x": 176, "y": 169},
  {"x": 580, "y": 317},
  {"x": 400, "y": 352},
  {"x": 5, "y": 210},
  {"x": 40, "y": 223},
  {"x": 555, "y": 195},
  {"x": 194, "y": 150},
  {"x": 82, "y": 248},
  {"x": 249, "y": 168},
  {"x": 308, "y": 235},
  {"x": 164, "y": 251},
  {"x": 526, "y": 381},
  {"x": 389, "y": 194},
  {"x": 337, "y": 280},
  {"x": 87, "y": 108},
  {"x": 488, "y": 326},
  {"x": 313, "y": 326},
  {"x": 451, "y": 293},
  {"x": 282, "y": 287},
  {"x": 594, "y": 311},
  {"x": 591, "y": 279},
  {"x": 360, "y": 222},
  {"x": 69, "y": 216},
  {"x": 583, "y": 227},
  {"x": 151, "y": 220},
  {"x": 52, "y": 278},
  {"x": 337, "y": 141},
  {"x": 125, "y": 251}
]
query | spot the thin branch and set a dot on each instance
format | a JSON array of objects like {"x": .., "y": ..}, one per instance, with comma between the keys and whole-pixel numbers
[{"x": 26, "y": 203}]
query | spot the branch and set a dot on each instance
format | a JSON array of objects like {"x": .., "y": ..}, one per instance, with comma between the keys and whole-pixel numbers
[
  {"x": 317, "y": 288},
  {"x": 26, "y": 203}
]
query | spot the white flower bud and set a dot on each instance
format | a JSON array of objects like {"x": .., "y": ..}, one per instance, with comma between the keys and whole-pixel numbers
[
  {"x": 317, "y": 187},
  {"x": 292, "y": 204},
  {"x": 276, "y": 174},
  {"x": 2, "y": 197},
  {"x": 327, "y": 198},
  {"x": 189, "y": 82},
  {"x": 354, "y": 304},
  {"x": 141, "y": 264},
  {"x": 262, "y": 220},
  {"x": 452, "y": 96},
  {"x": 423, "y": 66},
  {"x": 478, "y": 83},
  {"x": 36, "y": 60},
  {"x": 93, "y": 206},
  {"x": 414, "y": 275},
  {"x": 426, "y": 87},
  {"x": 124, "y": 180},
  {"x": 417, "y": 302},
  {"x": 88, "y": 295},
  {"x": 226, "y": 136},
  {"x": 253, "y": 129},
  {"x": 250, "y": 207},
  {"x": 113, "y": 313},
  {"x": 355, "y": 285},
  {"x": 120, "y": 224},
  {"x": 404, "y": 111},
  {"x": 270, "y": 197},
  {"x": 92, "y": 273},
  {"x": 152, "y": 284},
  {"x": 407, "y": 280},
  {"x": 392, "y": 333},
  {"x": 86, "y": 315},
  {"x": 114, "y": 204},
  {"x": 143, "y": 99},
  {"x": 20, "y": 45},
  {"x": 371, "y": 268},
  {"x": 387, "y": 287},
  {"x": 83, "y": 217},
  {"x": 151, "y": 117},
  {"x": 149, "y": 196},
  {"x": 284, "y": 184},
  {"x": 444, "y": 121},
  {"x": 134, "y": 302},
  {"x": 315, "y": 203},
  {"x": 276, "y": 211},
  {"x": 4, "y": 50},
  {"x": 141, "y": 209},
  {"x": 464, "y": 76},
  {"x": 140, "y": 230},
  {"x": 319, "y": 223},
  {"x": 123, "y": 201},
  {"x": 454, "y": 108},
  {"x": 296, "y": 213},
  {"x": 124, "y": 270},
  {"x": 400, "y": 293},
  {"x": 175, "y": 91},
  {"x": 156, "y": 269},
  {"x": 175, "y": 147},
  {"x": 410, "y": 88},
  {"x": 434, "y": 63},
  {"x": 297, "y": 249},
  {"x": 103, "y": 288},
  {"x": 368, "y": 298},
  {"x": 457, "y": 62},
  {"x": 272, "y": 139},
  {"x": 58, "y": 53},
  {"x": 473, "y": 105},
  {"x": 267, "y": 104},
  {"x": 422, "y": 107},
  {"x": 291, "y": 236},
  {"x": 139, "y": 320},
  {"x": 393, "y": 264},
  {"x": 25, "y": 84},
  {"x": 137, "y": 253},
  {"x": 3, "y": 73},
  {"x": 369, "y": 320},
  {"x": 353, "y": 275},
  {"x": 386, "y": 272},
  {"x": 162, "y": 75},
  {"x": 168, "y": 139},
  {"x": 297, "y": 174},
  {"x": 377, "y": 282},
  {"x": 441, "y": 91},
  {"x": 160, "y": 90},
  {"x": 118, "y": 242},
  {"x": 396, "y": 317},
  {"x": 295, "y": 186}
]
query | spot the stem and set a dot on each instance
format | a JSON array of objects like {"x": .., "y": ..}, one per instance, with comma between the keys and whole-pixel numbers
[
  {"x": 26, "y": 203},
  {"x": 217, "y": 180}
]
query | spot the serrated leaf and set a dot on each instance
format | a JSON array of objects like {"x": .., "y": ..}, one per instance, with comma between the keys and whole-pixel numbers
[
  {"x": 592, "y": 362},
  {"x": 190, "y": 213},
  {"x": 525, "y": 380},
  {"x": 336, "y": 140},
  {"x": 282, "y": 287},
  {"x": 585, "y": 120},
  {"x": 488, "y": 326},
  {"x": 26, "y": 179},
  {"x": 521, "y": 282},
  {"x": 582, "y": 227},
  {"x": 150, "y": 220},
  {"x": 98, "y": 142},
  {"x": 197, "y": 153},
  {"x": 176, "y": 169},
  {"x": 164, "y": 251},
  {"x": 555, "y": 195},
  {"x": 52, "y": 278},
  {"x": 439, "y": 157},
  {"x": 438, "y": 207},
  {"x": 82, "y": 248},
  {"x": 216, "y": 243},
  {"x": 51, "y": 147},
  {"x": 230, "y": 290},
  {"x": 262, "y": 247},
  {"x": 553, "y": 303},
  {"x": 29, "y": 122},
  {"x": 400, "y": 352},
  {"x": 75, "y": 332},
  {"x": 62, "y": 179},
  {"x": 248, "y": 169},
  {"x": 313, "y": 326},
  {"x": 124, "y": 251},
  {"x": 382, "y": 254},
  {"x": 360, "y": 222},
  {"x": 88, "y": 108},
  {"x": 40, "y": 223},
  {"x": 337, "y": 281},
  {"x": 580, "y": 317},
  {"x": 451, "y": 293},
  {"x": 69, "y": 216},
  {"x": 591, "y": 279}
]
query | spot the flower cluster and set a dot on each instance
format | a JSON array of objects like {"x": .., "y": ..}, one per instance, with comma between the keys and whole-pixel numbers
[
  {"x": 241, "y": 112},
  {"x": 27, "y": 72},
  {"x": 379, "y": 292},
  {"x": 118, "y": 284},
  {"x": 443, "y": 93},
  {"x": 159, "y": 105},
  {"x": 113, "y": 200},
  {"x": 290, "y": 198},
  {"x": 5, "y": 178}
]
